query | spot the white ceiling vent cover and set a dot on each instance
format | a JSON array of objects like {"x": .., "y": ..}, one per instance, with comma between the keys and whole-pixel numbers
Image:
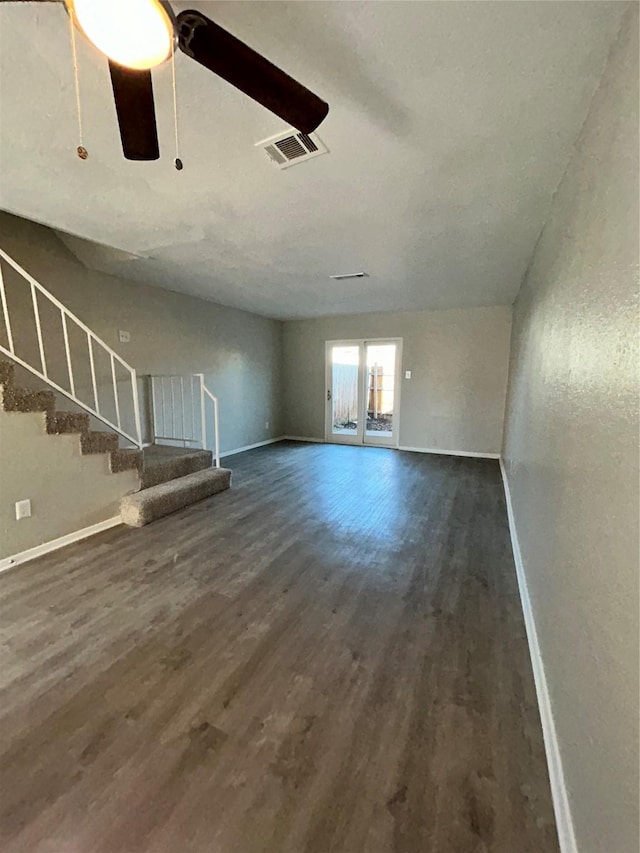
[
  {"x": 291, "y": 147},
  {"x": 343, "y": 276}
]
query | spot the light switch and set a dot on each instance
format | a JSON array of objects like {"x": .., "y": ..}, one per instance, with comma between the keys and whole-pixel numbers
[
  {"x": 407, "y": 374},
  {"x": 124, "y": 337}
]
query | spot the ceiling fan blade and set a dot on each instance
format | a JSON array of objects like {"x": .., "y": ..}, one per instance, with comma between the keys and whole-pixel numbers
[
  {"x": 240, "y": 65},
  {"x": 133, "y": 94}
]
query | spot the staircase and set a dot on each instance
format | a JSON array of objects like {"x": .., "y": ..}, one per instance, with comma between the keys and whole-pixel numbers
[
  {"x": 16, "y": 399},
  {"x": 171, "y": 479},
  {"x": 104, "y": 387}
]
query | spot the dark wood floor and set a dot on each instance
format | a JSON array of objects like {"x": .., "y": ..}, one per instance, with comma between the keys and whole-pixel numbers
[{"x": 329, "y": 658}]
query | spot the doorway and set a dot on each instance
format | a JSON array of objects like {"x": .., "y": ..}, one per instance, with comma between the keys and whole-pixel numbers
[{"x": 362, "y": 391}]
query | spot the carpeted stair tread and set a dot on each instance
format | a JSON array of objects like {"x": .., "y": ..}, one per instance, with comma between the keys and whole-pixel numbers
[
  {"x": 125, "y": 460},
  {"x": 6, "y": 373},
  {"x": 59, "y": 423},
  {"x": 160, "y": 467},
  {"x": 95, "y": 441},
  {"x": 24, "y": 400},
  {"x": 147, "y": 505}
]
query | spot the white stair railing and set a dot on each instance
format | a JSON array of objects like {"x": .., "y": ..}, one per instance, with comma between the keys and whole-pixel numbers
[
  {"x": 95, "y": 345},
  {"x": 182, "y": 409}
]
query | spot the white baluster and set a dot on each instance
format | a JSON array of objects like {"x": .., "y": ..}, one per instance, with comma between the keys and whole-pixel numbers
[
  {"x": 36, "y": 314},
  {"x": 5, "y": 311}
]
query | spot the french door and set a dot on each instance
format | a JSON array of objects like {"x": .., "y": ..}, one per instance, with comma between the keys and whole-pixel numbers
[{"x": 362, "y": 391}]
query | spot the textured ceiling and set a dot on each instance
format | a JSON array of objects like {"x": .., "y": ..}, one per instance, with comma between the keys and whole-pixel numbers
[{"x": 450, "y": 127}]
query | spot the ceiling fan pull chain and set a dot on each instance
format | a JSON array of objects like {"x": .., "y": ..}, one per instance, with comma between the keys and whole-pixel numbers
[
  {"x": 177, "y": 162},
  {"x": 81, "y": 150}
]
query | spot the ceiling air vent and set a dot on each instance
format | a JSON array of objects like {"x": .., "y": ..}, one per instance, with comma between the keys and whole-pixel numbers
[
  {"x": 344, "y": 275},
  {"x": 288, "y": 148}
]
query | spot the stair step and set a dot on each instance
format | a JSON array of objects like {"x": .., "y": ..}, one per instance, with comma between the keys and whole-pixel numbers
[
  {"x": 125, "y": 460},
  {"x": 145, "y": 506},
  {"x": 65, "y": 422},
  {"x": 6, "y": 373},
  {"x": 162, "y": 467},
  {"x": 95, "y": 441},
  {"x": 23, "y": 400}
]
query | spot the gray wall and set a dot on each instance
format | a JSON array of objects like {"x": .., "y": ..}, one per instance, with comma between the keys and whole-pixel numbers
[
  {"x": 240, "y": 353},
  {"x": 459, "y": 362},
  {"x": 68, "y": 491},
  {"x": 571, "y": 453}
]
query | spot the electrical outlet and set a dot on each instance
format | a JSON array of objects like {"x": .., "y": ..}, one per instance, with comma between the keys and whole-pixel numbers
[
  {"x": 266, "y": 424},
  {"x": 407, "y": 374},
  {"x": 124, "y": 337},
  {"x": 23, "y": 509}
]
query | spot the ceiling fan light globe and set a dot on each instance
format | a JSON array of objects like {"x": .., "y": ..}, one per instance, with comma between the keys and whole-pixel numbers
[{"x": 138, "y": 34}]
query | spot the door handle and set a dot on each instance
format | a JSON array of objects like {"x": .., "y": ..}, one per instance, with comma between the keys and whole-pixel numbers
[{"x": 329, "y": 394}]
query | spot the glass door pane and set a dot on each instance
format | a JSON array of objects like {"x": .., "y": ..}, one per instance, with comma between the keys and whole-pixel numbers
[
  {"x": 343, "y": 392},
  {"x": 381, "y": 365}
]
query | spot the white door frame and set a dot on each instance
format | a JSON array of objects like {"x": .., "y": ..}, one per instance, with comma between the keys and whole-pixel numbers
[{"x": 361, "y": 438}]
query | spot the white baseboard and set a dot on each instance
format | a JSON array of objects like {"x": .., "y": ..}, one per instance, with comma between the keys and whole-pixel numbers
[
  {"x": 561, "y": 807},
  {"x": 251, "y": 446},
  {"x": 54, "y": 544},
  {"x": 440, "y": 452},
  {"x": 303, "y": 438}
]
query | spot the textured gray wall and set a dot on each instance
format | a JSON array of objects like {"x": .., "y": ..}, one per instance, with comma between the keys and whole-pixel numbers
[
  {"x": 459, "y": 362},
  {"x": 68, "y": 491},
  {"x": 571, "y": 452}
]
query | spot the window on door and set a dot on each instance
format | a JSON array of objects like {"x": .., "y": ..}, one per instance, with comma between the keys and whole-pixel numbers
[
  {"x": 345, "y": 373},
  {"x": 381, "y": 381}
]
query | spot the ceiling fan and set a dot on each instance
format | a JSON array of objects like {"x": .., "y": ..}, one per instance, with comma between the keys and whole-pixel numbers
[{"x": 137, "y": 35}]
